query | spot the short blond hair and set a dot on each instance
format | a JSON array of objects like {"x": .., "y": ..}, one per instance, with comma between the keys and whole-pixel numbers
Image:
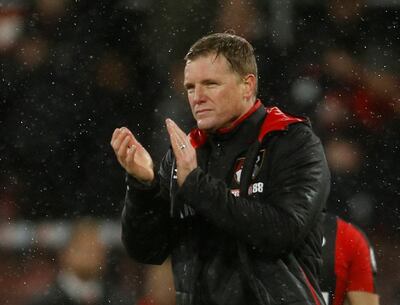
[{"x": 237, "y": 51}]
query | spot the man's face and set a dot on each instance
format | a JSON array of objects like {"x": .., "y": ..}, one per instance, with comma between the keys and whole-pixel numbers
[{"x": 217, "y": 95}]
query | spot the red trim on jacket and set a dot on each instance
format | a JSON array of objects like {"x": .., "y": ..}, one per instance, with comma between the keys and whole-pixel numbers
[
  {"x": 277, "y": 120},
  {"x": 311, "y": 287},
  {"x": 240, "y": 119},
  {"x": 198, "y": 137}
]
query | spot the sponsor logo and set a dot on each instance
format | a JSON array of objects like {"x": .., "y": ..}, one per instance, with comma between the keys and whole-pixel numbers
[
  {"x": 257, "y": 187},
  {"x": 325, "y": 295},
  {"x": 186, "y": 211},
  {"x": 259, "y": 163},
  {"x": 238, "y": 168},
  {"x": 235, "y": 192}
]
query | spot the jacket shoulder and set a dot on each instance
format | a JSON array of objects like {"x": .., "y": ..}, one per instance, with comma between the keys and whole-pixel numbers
[{"x": 277, "y": 120}]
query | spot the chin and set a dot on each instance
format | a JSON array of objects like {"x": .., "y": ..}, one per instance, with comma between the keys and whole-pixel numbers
[{"x": 205, "y": 125}]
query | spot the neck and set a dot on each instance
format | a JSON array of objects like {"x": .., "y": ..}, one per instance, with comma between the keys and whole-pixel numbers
[{"x": 249, "y": 110}]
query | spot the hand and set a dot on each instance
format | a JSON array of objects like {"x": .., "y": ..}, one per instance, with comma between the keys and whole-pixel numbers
[
  {"x": 185, "y": 154},
  {"x": 132, "y": 156}
]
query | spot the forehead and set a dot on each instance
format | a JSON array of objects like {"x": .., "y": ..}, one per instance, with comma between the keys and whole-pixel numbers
[{"x": 210, "y": 63}]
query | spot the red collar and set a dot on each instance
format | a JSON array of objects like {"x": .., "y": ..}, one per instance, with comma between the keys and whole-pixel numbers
[
  {"x": 199, "y": 137},
  {"x": 240, "y": 119},
  {"x": 274, "y": 120},
  {"x": 277, "y": 120}
]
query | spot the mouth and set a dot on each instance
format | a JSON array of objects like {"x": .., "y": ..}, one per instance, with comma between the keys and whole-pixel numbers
[{"x": 202, "y": 111}]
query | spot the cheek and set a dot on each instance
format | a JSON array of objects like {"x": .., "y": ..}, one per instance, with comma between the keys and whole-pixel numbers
[
  {"x": 191, "y": 106},
  {"x": 190, "y": 100},
  {"x": 225, "y": 102}
]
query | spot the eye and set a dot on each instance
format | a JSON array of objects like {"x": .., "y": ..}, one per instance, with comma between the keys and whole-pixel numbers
[
  {"x": 189, "y": 88},
  {"x": 211, "y": 84}
]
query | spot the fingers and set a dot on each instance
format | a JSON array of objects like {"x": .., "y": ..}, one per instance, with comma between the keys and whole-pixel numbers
[
  {"x": 123, "y": 148},
  {"x": 173, "y": 137},
  {"x": 116, "y": 132},
  {"x": 117, "y": 137},
  {"x": 177, "y": 137},
  {"x": 179, "y": 132},
  {"x": 184, "y": 152},
  {"x": 121, "y": 140},
  {"x": 130, "y": 155}
]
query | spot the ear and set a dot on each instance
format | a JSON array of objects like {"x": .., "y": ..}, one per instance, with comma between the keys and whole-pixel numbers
[{"x": 250, "y": 85}]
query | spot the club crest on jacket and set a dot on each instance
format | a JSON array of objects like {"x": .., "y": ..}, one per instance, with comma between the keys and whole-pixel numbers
[{"x": 239, "y": 167}]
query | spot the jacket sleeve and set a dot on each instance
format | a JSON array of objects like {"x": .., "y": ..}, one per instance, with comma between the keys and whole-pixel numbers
[
  {"x": 287, "y": 209},
  {"x": 146, "y": 224},
  {"x": 361, "y": 260}
]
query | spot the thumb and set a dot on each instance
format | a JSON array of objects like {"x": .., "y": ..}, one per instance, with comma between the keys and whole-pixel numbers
[{"x": 130, "y": 156}]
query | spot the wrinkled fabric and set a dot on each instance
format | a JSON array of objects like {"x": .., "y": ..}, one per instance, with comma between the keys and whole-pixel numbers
[{"x": 228, "y": 246}]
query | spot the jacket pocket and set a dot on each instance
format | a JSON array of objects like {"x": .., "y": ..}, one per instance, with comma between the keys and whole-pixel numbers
[
  {"x": 183, "y": 298},
  {"x": 282, "y": 287}
]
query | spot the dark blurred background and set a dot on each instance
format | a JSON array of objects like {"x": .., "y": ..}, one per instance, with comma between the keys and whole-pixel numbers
[{"x": 72, "y": 71}]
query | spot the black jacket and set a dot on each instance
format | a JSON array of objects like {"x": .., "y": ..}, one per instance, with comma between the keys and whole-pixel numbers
[{"x": 262, "y": 247}]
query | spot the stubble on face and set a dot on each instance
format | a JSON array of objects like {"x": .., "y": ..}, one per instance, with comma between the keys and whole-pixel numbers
[{"x": 214, "y": 91}]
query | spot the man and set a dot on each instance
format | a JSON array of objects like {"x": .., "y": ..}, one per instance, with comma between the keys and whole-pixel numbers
[
  {"x": 82, "y": 268},
  {"x": 348, "y": 265},
  {"x": 237, "y": 203}
]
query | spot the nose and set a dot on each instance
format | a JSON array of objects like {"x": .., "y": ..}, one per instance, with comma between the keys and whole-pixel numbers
[{"x": 198, "y": 95}]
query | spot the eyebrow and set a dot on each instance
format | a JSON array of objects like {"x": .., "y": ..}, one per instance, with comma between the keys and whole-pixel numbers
[
  {"x": 188, "y": 85},
  {"x": 204, "y": 82}
]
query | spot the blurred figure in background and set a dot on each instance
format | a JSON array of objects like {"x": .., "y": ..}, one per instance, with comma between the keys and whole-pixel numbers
[
  {"x": 82, "y": 269},
  {"x": 55, "y": 114},
  {"x": 255, "y": 20},
  {"x": 349, "y": 265},
  {"x": 158, "y": 285},
  {"x": 345, "y": 78},
  {"x": 343, "y": 54},
  {"x": 171, "y": 104}
]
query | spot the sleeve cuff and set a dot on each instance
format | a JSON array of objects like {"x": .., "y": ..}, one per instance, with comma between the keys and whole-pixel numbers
[
  {"x": 132, "y": 182},
  {"x": 187, "y": 192}
]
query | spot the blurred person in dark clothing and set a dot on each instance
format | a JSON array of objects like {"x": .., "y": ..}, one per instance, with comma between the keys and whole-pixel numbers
[
  {"x": 349, "y": 265},
  {"x": 172, "y": 21},
  {"x": 348, "y": 49},
  {"x": 351, "y": 195},
  {"x": 237, "y": 203},
  {"x": 56, "y": 115},
  {"x": 158, "y": 285},
  {"x": 345, "y": 77},
  {"x": 81, "y": 279},
  {"x": 172, "y": 104},
  {"x": 254, "y": 20}
]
